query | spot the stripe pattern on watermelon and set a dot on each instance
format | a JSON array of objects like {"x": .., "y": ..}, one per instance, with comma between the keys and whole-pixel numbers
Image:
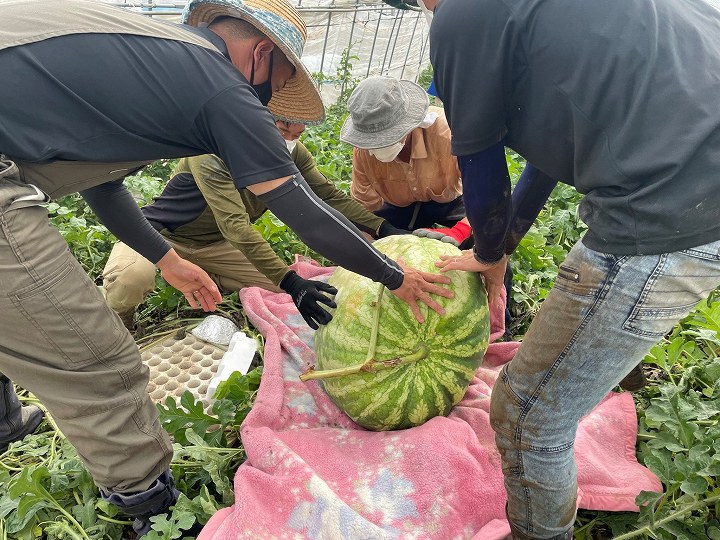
[{"x": 436, "y": 360}]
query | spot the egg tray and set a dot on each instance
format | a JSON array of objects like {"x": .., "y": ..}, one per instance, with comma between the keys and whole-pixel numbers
[{"x": 178, "y": 364}]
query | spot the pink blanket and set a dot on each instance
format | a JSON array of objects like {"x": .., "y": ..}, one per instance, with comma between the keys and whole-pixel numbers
[{"x": 312, "y": 473}]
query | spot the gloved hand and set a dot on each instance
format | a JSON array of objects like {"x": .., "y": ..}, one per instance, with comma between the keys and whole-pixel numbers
[
  {"x": 387, "y": 229},
  {"x": 306, "y": 293},
  {"x": 455, "y": 235}
]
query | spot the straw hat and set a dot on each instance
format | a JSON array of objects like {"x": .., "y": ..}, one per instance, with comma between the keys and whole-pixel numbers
[
  {"x": 382, "y": 111},
  {"x": 299, "y": 101}
]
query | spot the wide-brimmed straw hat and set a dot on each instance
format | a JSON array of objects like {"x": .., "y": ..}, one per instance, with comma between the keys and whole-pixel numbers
[
  {"x": 382, "y": 111},
  {"x": 299, "y": 101}
]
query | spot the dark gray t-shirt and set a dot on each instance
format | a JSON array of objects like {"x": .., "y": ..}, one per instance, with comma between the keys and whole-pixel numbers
[
  {"x": 117, "y": 97},
  {"x": 620, "y": 98}
]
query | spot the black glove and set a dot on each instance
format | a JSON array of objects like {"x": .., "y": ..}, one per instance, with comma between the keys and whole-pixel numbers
[
  {"x": 306, "y": 293},
  {"x": 387, "y": 229}
]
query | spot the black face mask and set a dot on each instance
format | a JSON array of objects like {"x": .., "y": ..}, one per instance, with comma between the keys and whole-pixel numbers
[{"x": 263, "y": 90}]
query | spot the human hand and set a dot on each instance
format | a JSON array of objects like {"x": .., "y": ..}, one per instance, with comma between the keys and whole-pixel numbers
[
  {"x": 306, "y": 293},
  {"x": 191, "y": 280},
  {"x": 454, "y": 235},
  {"x": 493, "y": 274},
  {"x": 415, "y": 287}
]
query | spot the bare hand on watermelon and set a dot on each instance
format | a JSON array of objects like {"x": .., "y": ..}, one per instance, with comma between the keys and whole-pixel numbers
[
  {"x": 493, "y": 274},
  {"x": 415, "y": 287}
]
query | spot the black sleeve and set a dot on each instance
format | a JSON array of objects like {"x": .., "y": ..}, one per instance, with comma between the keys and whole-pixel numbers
[
  {"x": 488, "y": 206},
  {"x": 528, "y": 198},
  {"x": 329, "y": 233},
  {"x": 114, "y": 205}
]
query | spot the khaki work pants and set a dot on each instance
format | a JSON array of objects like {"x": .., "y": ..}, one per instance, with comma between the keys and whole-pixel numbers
[
  {"x": 128, "y": 276},
  {"x": 60, "y": 340}
]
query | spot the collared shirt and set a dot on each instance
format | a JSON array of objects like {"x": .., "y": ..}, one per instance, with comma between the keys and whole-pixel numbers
[{"x": 431, "y": 175}]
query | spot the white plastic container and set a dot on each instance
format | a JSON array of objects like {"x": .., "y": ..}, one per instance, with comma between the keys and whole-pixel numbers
[{"x": 239, "y": 356}]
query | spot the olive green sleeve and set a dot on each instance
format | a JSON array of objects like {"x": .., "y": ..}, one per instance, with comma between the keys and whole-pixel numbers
[
  {"x": 333, "y": 196},
  {"x": 214, "y": 181}
]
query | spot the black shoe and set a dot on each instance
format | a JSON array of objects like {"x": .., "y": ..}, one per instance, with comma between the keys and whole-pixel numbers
[
  {"x": 635, "y": 380},
  {"x": 155, "y": 501}
]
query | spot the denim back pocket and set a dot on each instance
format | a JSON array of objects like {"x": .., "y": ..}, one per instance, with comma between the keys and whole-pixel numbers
[{"x": 679, "y": 281}]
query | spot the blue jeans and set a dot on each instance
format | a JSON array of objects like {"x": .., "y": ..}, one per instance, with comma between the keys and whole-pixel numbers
[{"x": 603, "y": 315}]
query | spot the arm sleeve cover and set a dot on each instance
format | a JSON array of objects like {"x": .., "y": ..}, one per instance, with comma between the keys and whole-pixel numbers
[
  {"x": 115, "y": 207},
  {"x": 486, "y": 192},
  {"x": 528, "y": 198},
  {"x": 329, "y": 233}
]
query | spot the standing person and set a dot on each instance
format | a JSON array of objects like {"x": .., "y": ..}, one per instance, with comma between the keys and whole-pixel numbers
[
  {"x": 208, "y": 221},
  {"x": 403, "y": 168},
  {"x": 622, "y": 105},
  {"x": 96, "y": 93}
]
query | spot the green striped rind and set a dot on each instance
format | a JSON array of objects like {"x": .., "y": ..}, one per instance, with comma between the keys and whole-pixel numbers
[{"x": 406, "y": 395}]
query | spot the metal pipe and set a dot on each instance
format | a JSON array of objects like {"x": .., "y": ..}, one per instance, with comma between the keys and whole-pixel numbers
[
  {"x": 178, "y": 11},
  {"x": 397, "y": 35},
  {"x": 407, "y": 55},
  {"x": 327, "y": 33},
  {"x": 349, "y": 46},
  {"x": 387, "y": 49},
  {"x": 372, "y": 49}
]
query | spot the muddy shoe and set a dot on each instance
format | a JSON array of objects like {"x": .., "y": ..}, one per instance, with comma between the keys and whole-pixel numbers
[
  {"x": 128, "y": 319},
  {"x": 30, "y": 418},
  {"x": 635, "y": 380}
]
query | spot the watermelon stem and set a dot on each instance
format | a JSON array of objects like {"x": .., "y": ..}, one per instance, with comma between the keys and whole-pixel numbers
[
  {"x": 369, "y": 366},
  {"x": 375, "y": 325}
]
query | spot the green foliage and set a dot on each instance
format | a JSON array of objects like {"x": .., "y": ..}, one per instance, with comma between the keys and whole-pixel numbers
[
  {"x": 47, "y": 493},
  {"x": 535, "y": 261},
  {"x": 424, "y": 80},
  {"x": 88, "y": 239},
  {"x": 333, "y": 157},
  {"x": 425, "y": 77},
  {"x": 678, "y": 436},
  {"x": 147, "y": 185},
  {"x": 343, "y": 80},
  {"x": 282, "y": 239},
  {"x": 235, "y": 397},
  {"x": 161, "y": 169}
]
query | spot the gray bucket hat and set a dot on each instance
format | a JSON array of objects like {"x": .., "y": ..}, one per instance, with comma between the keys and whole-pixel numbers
[{"x": 382, "y": 111}]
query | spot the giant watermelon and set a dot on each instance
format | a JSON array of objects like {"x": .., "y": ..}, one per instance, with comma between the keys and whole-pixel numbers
[{"x": 382, "y": 367}]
